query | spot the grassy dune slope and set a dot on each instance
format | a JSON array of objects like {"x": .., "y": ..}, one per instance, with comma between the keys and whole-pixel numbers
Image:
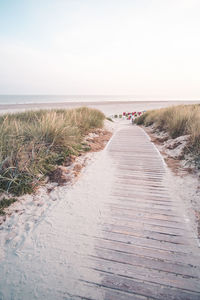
[
  {"x": 34, "y": 142},
  {"x": 177, "y": 121}
]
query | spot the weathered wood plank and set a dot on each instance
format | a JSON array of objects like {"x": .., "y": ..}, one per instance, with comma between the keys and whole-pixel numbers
[{"x": 145, "y": 248}]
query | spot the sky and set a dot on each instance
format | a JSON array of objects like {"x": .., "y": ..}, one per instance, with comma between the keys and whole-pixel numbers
[{"x": 145, "y": 48}]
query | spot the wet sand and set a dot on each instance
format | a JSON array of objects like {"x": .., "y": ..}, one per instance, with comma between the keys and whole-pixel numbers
[{"x": 107, "y": 107}]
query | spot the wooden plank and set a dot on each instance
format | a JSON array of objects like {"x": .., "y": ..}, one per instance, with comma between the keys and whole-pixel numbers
[
  {"x": 145, "y": 247},
  {"x": 137, "y": 287},
  {"x": 150, "y": 263},
  {"x": 163, "y": 255},
  {"x": 144, "y": 274}
]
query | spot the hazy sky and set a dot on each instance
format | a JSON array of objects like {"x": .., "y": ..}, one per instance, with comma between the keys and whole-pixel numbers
[{"x": 146, "y": 48}]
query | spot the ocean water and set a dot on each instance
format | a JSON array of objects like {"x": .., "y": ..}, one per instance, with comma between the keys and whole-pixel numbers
[{"x": 27, "y": 99}]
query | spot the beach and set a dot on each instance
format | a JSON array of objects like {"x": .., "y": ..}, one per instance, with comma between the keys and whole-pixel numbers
[
  {"x": 107, "y": 107},
  {"x": 122, "y": 226},
  {"x": 110, "y": 108},
  {"x": 119, "y": 209},
  {"x": 99, "y": 150}
]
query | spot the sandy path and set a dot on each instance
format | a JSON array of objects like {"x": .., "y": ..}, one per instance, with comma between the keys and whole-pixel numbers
[{"x": 118, "y": 233}]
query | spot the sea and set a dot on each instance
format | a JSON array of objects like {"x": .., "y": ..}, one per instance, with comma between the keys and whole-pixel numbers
[{"x": 34, "y": 99}]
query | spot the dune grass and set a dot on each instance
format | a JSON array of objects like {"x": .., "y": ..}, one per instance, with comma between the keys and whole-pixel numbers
[
  {"x": 4, "y": 203},
  {"x": 33, "y": 143},
  {"x": 177, "y": 121}
]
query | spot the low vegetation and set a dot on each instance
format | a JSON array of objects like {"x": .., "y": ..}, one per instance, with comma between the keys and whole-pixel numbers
[
  {"x": 33, "y": 143},
  {"x": 4, "y": 203},
  {"x": 109, "y": 119},
  {"x": 177, "y": 121}
]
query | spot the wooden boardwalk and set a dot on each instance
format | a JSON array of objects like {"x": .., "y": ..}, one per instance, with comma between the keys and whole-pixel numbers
[{"x": 146, "y": 249}]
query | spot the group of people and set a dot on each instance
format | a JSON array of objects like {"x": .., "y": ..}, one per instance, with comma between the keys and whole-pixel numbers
[
  {"x": 129, "y": 115},
  {"x": 132, "y": 115}
]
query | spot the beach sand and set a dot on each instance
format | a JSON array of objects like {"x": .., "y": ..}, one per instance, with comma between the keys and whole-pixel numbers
[
  {"x": 108, "y": 108},
  {"x": 41, "y": 240}
]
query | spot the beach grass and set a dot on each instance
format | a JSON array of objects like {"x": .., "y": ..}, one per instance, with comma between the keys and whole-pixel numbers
[
  {"x": 177, "y": 121},
  {"x": 4, "y": 203},
  {"x": 33, "y": 143}
]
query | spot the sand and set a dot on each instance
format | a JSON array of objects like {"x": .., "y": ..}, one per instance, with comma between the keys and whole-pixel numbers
[
  {"x": 49, "y": 230},
  {"x": 39, "y": 218},
  {"x": 108, "y": 108}
]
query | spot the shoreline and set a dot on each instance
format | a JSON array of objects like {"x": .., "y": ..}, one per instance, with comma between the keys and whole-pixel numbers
[
  {"x": 97, "y": 102},
  {"x": 107, "y": 107}
]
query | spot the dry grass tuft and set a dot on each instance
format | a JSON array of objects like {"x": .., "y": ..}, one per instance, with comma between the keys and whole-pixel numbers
[
  {"x": 34, "y": 142},
  {"x": 177, "y": 121}
]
